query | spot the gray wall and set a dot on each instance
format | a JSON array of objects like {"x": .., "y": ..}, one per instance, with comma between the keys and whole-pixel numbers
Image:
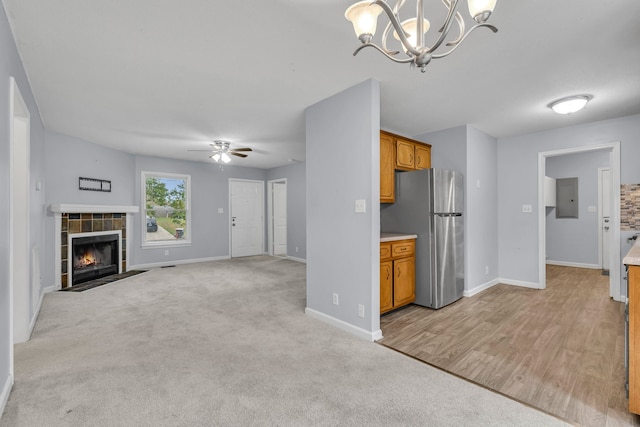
[
  {"x": 449, "y": 148},
  {"x": 68, "y": 159},
  {"x": 11, "y": 65},
  {"x": 209, "y": 191},
  {"x": 575, "y": 240},
  {"x": 518, "y": 184},
  {"x": 296, "y": 206},
  {"x": 343, "y": 252},
  {"x": 481, "y": 220}
]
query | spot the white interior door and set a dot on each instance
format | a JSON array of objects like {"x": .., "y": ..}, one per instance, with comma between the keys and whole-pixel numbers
[
  {"x": 247, "y": 217},
  {"x": 279, "y": 218},
  {"x": 605, "y": 217}
]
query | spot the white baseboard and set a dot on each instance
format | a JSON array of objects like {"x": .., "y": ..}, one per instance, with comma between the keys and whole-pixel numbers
[
  {"x": 480, "y": 288},
  {"x": 574, "y": 264},
  {"x": 520, "y": 283},
  {"x": 6, "y": 391},
  {"x": 36, "y": 312},
  {"x": 340, "y": 324},
  {"x": 177, "y": 262},
  {"x": 292, "y": 258}
]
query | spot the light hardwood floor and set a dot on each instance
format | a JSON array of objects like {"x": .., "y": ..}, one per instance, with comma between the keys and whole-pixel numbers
[{"x": 560, "y": 349}]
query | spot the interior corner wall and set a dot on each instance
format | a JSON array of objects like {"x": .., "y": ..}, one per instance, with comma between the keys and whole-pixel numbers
[
  {"x": 518, "y": 184},
  {"x": 343, "y": 255},
  {"x": 11, "y": 66},
  {"x": 295, "y": 175},
  {"x": 575, "y": 240},
  {"x": 481, "y": 219}
]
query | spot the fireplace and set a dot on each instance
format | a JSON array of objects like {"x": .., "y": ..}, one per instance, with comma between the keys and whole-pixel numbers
[{"x": 93, "y": 255}]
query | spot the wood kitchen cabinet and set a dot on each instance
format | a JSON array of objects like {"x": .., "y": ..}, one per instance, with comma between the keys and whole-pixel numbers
[
  {"x": 387, "y": 169},
  {"x": 399, "y": 153},
  {"x": 397, "y": 274},
  {"x": 634, "y": 338}
]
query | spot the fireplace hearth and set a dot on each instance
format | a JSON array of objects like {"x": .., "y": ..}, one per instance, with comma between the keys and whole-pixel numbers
[{"x": 93, "y": 257}]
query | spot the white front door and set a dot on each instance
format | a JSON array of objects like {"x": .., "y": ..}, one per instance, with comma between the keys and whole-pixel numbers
[
  {"x": 280, "y": 218},
  {"x": 247, "y": 215}
]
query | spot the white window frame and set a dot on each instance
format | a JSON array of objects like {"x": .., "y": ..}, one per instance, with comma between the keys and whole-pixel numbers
[{"x": 143, "y": 208}]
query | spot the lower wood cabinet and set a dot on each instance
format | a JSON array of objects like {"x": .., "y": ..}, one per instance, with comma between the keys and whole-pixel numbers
[
  {"x": 634, "y": 338},
  {"x": 397, "y": 274}
]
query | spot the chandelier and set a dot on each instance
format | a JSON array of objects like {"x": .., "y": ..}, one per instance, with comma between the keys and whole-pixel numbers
[{"x": 411, "y": 32}]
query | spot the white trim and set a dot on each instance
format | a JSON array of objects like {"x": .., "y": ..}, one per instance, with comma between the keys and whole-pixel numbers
[
  {"x": 6, "y": 391},
  {"x": 615, "y": 260},
  {"x": 520, "y": 283},
  {"x": 347, "y": 327},
  {"x": 480, "y": 288},
  {"x": 168, "y": 263},
  {"x": 296, "y": 259},
  {"x": 36, "y": 312},
  {"x": 270, "y": 236},
  {"x": 574, "y": 264},
  {"x": 72, "y": 208},
  {"x": 600, "y": 213},
  {"x": 71, "y": 236}
]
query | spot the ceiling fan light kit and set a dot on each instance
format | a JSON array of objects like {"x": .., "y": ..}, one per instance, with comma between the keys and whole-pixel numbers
[
  {"x": 570, "y": 104},
  {"x": 411, "y": 32},
  {"x": 221, "y": 150}
]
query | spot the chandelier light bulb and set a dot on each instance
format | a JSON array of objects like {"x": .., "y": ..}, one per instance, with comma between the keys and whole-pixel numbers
[
  {"x": 409, "y": 27},
  {"x": 480, "y": 10},
  {"x": 570, "y": 104},
  {"x": 364, "y": 17}
]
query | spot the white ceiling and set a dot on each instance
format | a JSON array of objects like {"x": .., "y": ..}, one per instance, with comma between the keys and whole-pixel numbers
[{"x": 160, "y": 77}]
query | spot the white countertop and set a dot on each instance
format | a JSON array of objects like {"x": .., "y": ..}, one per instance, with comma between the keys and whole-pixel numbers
[
  {"x": 633, "y": 256},
  {"x": 392, "y": 237}
]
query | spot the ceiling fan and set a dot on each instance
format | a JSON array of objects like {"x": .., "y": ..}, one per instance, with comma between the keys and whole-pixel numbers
[{"x": 220, "y": 151}]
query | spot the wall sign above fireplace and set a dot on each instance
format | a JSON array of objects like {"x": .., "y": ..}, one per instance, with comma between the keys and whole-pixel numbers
[{"x": 94, "y": 184}]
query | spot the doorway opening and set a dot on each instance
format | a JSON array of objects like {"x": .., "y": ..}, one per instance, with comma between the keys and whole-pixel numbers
[
  {"x": 246, "y": 200},
  {"x": 19, "y": 233},
  {"x": 614, "y": 237},
  {"x": 277, "y": 217}
]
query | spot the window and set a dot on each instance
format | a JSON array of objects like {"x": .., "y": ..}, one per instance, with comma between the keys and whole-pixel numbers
[{"x": 166, "y": 219}]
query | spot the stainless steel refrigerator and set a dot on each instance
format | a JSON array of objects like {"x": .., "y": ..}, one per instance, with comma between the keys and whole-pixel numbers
[{"x": 430, "y": 203}]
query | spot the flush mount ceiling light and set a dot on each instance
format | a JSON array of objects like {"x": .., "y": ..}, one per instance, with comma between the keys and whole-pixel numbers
[
  {"x": 570, "y": 104},
  {"x": 411, "y": 32}
]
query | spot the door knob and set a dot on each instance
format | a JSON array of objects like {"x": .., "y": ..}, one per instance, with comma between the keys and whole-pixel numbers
[{"x": 606, "y": 227}]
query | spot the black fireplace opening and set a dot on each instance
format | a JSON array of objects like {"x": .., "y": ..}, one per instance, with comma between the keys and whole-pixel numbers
[{"x": 94, "y": 257}]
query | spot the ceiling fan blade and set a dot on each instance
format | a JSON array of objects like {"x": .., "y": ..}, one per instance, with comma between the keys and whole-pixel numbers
[
  {"x": 241, "y": 149},
  {"x": 237, "y": 154},
  {"x": 209, "y": 150}
]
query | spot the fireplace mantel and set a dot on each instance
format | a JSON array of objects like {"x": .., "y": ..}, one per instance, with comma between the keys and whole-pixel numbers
[
  {"x": 73, "y": 208},
  {"x": 102, "y": 214}
]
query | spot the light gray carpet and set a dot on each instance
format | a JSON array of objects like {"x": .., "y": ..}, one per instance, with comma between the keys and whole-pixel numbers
[{"x": 226, "y": 343}]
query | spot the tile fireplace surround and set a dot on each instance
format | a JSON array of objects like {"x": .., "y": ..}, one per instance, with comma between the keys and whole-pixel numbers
[{"x": 74, "y": 219}]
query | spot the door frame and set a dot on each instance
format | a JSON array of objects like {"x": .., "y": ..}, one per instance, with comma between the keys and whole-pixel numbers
[
  {"x": 231, "y": 212},
  {"x": 270, "y": 233},
  {"x": 19, "y": 271},
  {"x": 600, "y": 214},
  {"x": 614, "y": 164}
]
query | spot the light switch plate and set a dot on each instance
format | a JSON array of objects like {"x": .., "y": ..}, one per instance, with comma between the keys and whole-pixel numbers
[
  {"x": 592, "y": 209},
  {"x": 220, "y": 210},
  {"x": 361, "y": 206},
  {"x": 527, "y": 209}
]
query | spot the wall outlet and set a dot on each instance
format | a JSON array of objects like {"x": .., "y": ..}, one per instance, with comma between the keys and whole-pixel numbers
[
  {"x": 166, "y": 252},
  {"x": 361, "y": 206},
  {"x": 335, "y": 299},
  {"x": 361, "y": 310},
  {"x": 486, "y": 269},
  {"x": 220, "y": 210}
]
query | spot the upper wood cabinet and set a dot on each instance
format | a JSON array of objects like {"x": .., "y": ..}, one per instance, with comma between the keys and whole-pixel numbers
[
  {"x": 399, "y": 153},
  {"x": 387, "y": 166},
  {"x": 423, "y": 156}
]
